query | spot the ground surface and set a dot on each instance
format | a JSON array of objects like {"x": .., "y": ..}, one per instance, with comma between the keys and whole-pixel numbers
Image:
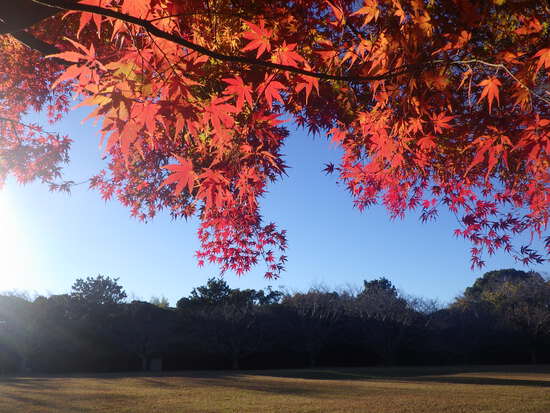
[{"x": 503, "y": 389}]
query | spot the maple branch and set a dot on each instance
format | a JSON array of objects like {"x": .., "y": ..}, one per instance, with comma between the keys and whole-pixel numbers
[
  {"x": 214, "y": 13},
  {"x": 34, "y": 128},
  {"x": 13, "y": 22},
  {"x": 36, "y": 44},
  {"x": 501, "y": 66},
  {"x": 12, "y": 19},
  {"x": 165, "y": 58},
  {"x": 65, "y": 186},
  {"x": 151, "y": 28}
]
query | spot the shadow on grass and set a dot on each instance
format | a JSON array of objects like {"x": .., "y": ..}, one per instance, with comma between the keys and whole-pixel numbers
[
  {"x": 424, "y": 374},
  {"x": 38, "y": 395},
  {"x": 484, "y": 381},
  {"x": 30, "y": 401},
  {"x": 470, "y": 375},
  {"x": 242, "y": 379},
  {"x": 29, "y": 383},
  {"x": 16, "y": 394},
  {"x": 158, "y": 382},
  {"x": 272, "y": 387}
]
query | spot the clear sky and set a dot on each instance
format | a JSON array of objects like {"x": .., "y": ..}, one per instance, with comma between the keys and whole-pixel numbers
[{"x": 47, "y": 240}]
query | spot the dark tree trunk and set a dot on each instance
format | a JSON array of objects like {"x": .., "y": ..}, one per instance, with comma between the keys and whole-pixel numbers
[
  {"x": 312, "y": 359},
  {"x": 235, "y": 362},
  {"x": 23, "y": 365},
  {"x": 389, "y": 357},
  {"x": 533, "y": 354},
  {"x": 144, "y": 363}
]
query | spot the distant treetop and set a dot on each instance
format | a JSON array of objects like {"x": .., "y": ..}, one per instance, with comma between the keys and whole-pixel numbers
[{"x": 98, "y": 290}]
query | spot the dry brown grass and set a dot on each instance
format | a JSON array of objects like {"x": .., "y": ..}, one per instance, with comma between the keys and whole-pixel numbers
[{"x": 509, "y": 389}]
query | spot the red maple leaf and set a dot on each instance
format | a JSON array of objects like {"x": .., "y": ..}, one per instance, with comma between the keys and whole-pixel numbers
[
  {"x": 212, "y": 190},
  {"x": 219, "y": 113},
  {"x": 441, "y": 121},
  {"x": 338, "y": 13},
  {"x": 259, "y": 38},
  {"x": 240, "y": 89},
  {"x": 490, "y": 90},
  {"x": 370, "y": 11},
  {"x": 136, "y": 8},
  {"x": 286, "y": 55},
  {"x": 271, "y": 90},
  {"x": 544, "y": 58},
  {"x": 182, "y": 175}
]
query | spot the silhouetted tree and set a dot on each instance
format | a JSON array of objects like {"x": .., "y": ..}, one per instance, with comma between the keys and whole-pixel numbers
[
  {"x": 146, "y": 330},
  {"x": 384, "y": 317},
  {"x": 227, "y": 317},
  {"x": 318, "y": 313},
  {"x": 99, "y": 290},
  {"x": 494, "y": 279},
  {"x": 17, "y": 328},
  {"x": 504, "y": 317},
  {"x": 519, "y": 298},
  {"x": 161, "y": 302}
]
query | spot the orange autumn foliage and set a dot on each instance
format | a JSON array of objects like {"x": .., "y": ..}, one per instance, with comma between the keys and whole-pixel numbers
[{"x": 436, "y": 104}]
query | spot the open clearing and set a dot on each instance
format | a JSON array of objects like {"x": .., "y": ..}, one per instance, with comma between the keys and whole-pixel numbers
[{"x": 502, "y": 389}]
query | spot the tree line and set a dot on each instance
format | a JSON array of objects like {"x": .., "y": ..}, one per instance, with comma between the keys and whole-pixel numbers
[{"x": 504, "y": 317}]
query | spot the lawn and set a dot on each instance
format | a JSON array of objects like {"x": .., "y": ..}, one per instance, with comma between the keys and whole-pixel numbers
[{"x": 502, "y": 389}]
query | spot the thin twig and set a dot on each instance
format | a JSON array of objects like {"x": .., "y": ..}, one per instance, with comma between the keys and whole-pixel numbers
[{"x": 500, "y": 66}]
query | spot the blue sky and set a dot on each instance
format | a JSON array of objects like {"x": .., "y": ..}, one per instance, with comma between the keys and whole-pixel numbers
[{"x": 47, "y": 240}]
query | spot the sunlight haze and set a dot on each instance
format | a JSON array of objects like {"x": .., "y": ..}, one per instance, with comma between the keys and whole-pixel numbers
[{"x": 15, "y": 248}]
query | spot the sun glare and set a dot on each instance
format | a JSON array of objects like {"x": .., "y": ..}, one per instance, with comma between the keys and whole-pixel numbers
[{"x": 14, "y": 254}]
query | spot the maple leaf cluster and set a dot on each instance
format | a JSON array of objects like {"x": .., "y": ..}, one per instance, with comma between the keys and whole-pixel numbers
[
  {"x": 28, "y": 151},
  {"x": 439, "y": 104}
]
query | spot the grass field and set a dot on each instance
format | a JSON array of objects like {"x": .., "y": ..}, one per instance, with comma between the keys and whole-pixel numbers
[{"x": 502, "y": 389}]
